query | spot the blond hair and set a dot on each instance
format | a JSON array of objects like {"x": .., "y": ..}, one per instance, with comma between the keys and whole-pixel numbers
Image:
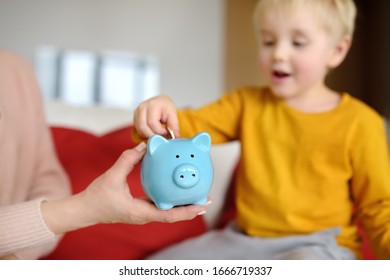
[{"x": 338, "y": 16}]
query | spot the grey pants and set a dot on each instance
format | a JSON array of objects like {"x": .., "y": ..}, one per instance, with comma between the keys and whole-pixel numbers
[{"x": 232, "y": 244}]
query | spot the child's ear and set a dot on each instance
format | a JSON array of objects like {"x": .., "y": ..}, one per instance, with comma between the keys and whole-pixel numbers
[{"x": 340, "y": 52}]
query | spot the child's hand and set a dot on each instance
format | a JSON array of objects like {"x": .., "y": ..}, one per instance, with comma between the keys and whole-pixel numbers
[{"x": 152, "y": 114}]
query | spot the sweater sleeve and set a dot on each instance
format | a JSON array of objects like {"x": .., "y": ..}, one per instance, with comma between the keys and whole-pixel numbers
[
  {"x": 50, "y": 179},
  {"x": 39, "y": 174},
  {"x": 371, "y": 182},
  {"x": 221, "y": 119},
  {"x": 17, "y": 236}
]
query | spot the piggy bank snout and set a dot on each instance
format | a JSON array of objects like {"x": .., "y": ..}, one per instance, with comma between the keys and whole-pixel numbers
[{"x": 186, "y": 176}]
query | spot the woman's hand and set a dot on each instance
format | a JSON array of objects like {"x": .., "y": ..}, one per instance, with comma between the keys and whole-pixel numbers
[
  {"x": 9, "y": 257},
  {"x": 108, "y": 200}
]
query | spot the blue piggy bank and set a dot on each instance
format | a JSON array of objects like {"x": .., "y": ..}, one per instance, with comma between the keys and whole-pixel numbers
[{"x": 178, "y": 171}]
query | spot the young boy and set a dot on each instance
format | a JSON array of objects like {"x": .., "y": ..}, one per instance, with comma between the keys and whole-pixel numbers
[{"x": 312, "y": 160}]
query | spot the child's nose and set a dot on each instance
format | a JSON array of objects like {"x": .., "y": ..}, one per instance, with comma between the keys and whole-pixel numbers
[{"x": 280, "y": 52}]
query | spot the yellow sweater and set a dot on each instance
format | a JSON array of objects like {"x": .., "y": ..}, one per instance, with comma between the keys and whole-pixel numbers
[{"x": 301, "y": 172}]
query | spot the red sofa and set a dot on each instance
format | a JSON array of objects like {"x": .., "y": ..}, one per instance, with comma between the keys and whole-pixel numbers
[{"x": 85, "y": 156}]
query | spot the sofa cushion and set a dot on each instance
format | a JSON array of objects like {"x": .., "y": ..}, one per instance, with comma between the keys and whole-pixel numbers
[{"x": 86, "y": 156}]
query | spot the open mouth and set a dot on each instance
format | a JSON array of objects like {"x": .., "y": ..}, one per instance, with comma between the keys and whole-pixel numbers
[{"x": 280, "y": 74}]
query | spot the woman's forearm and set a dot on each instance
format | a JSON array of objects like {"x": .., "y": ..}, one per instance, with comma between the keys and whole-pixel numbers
[{"x": 67, "y": 214}]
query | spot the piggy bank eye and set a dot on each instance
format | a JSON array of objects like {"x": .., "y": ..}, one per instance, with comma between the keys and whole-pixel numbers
[
  {"x": 177, "y": 156},
  {"x": 192, "y": 155}
]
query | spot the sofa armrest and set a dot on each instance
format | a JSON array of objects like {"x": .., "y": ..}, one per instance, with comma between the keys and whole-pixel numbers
[{"x": 225, "y": 158}]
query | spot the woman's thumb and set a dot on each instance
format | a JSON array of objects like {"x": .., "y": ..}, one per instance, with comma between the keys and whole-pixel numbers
[{"x": 128, "y": 159}]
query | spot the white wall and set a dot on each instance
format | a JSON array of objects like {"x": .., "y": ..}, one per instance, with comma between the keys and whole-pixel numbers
[{"x": 185, "y": 35}]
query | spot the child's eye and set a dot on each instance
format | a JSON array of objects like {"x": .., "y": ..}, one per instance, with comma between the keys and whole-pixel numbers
[
  {"x": 299, "y": 44},
  {"x": 268, "y": 43}
]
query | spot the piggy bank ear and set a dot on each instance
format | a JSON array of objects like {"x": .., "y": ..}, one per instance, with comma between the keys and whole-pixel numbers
[
  {"x": 203, "y": 139},
  {"x": 154, "y": 142}
]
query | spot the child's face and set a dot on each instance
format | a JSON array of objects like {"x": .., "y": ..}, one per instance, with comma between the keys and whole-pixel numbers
[{"x": 295, "y": 52}]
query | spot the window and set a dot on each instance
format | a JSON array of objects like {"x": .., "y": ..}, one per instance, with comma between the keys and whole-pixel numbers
[{"x": 84, "y": 78}]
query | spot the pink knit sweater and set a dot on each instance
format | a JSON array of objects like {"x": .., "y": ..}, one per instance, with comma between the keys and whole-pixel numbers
[{"x": 29, "y": 168}]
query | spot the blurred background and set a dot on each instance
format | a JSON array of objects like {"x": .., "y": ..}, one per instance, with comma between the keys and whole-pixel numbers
[
  {"x": 175, "y": 45},
  {"x": 193, "y": 50}
]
